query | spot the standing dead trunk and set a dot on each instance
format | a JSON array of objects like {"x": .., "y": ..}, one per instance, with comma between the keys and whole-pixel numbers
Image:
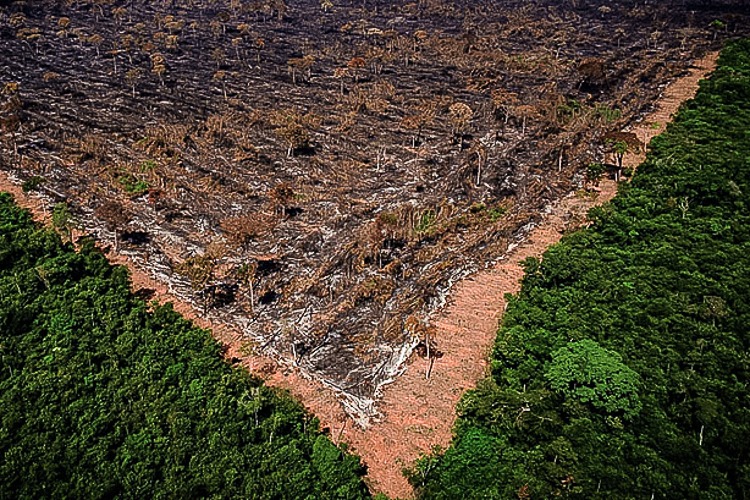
[
  {"x": 341, "y": 432},
  {"x": 429, "y": 358},
  {"x": 252, "y": 297},
  {"x": 618, "y": 173},
  {"x": 479, "y": 169}
]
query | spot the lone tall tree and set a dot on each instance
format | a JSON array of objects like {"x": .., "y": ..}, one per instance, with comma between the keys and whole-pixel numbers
[{"x": 620, "y": 143}]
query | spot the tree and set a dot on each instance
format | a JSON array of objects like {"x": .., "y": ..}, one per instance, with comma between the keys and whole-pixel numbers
[
  {"x": 619, "y": 144},
  {"x": 173, "y": 26},
  {"x": 420, "y": 116},
  {"x": 340, "y": 74},
  {"x": 479, "y": 151},
  {"x": 17, "y": 19},
  {"x": 64, "y": 23},
  {"x": 259, "y": 44},
  {"x": 127, "y": 42},
  {"x": 237, "y": 43},
  {"x": 526, "y": 112},
  {"x": 31, "y": 35},
  {"x": 594, "y": 172},
  {"x": 419, "y": 38},
  {"x": 459, "y": 115},
  {"x": 115, "y": 217},
  {"x": 503, "y": 105},
  {"x": 242, "y": 229},
  {"x": 281, "y": 195},
  {"x": 716, "y": 26},
  {"x": 280, "y": 7},
  {"x": 96, "y": 39},
  {"x": 294, "y": 128},
  {"x": 619, "y": 148},
  {"x": 63, "y": 220},
  {"x": 219, "y": 57},
  {"x": 593, "y": 72},
  {"x": 221, "y": 77},
  {"x": 586, "y": 372},
  {"x": 132, "y": 76},
  {"x": 294, "y": 65},
  {"x": 246, "y": 274},
  {"x": 119, "y": 14},
  {"x": 355, "y": 64},
  {"x": 199, "y": 269},
  {"x": 306, "y": 66},
  {"x": 158, "y": 66}
]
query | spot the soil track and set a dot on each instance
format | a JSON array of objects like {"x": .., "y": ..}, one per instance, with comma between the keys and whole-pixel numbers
[{"x": 418, "y": 413}]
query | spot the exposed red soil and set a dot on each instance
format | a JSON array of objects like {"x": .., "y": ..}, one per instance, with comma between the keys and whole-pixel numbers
[{"x": 418, "y": 413}]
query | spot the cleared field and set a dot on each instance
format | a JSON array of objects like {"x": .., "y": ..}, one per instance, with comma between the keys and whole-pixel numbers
[{"x": 317, "y": 176}]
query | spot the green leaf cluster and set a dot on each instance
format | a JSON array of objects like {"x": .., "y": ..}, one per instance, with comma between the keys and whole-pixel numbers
[
  {"x": 103, "y": 396},
  {"x": 586, "y": 372},
  {"x": 621, "y": 370}
]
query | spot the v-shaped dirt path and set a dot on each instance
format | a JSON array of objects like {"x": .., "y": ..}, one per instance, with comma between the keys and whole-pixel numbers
[{"x": 419, "y": 413}]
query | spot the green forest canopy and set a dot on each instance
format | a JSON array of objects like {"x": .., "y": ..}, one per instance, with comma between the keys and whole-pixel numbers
[
  {"x": 102, "y": 397},
  {"x": 621, "y": 370}
]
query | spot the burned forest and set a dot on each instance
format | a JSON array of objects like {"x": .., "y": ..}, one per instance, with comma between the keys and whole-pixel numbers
[{"x": 317, "y": 175}]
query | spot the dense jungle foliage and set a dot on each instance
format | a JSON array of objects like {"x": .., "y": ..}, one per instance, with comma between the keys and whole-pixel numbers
[
  {"x": 102, "y": 397},
  {"x": 622, "y": 368}
]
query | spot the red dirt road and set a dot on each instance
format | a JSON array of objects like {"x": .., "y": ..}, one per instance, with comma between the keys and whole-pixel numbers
[{"x": 418, "y": 413}]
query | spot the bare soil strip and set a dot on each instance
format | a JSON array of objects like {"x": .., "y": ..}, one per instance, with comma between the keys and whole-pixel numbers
[{"x": 418, "y": 412}]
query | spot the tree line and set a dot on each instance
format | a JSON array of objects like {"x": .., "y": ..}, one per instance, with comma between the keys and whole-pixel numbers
[
  {"x": 621, "y": 369},
  {"x": 103, "y": 395}
]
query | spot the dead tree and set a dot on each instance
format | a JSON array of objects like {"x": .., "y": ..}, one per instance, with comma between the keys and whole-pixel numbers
[
  {"x": 593, "y": 72},
  {"x": 355, "y": 65},
  {"x": 115, "y": 218},
  {"x": 479, "y": 151},
  {"x": 340, "y": 74},
  {"x": 503, "y": 105},
  {"x": 294, "y": 128},
  {"x": 459, "y": 115},
  {"x": 526, "y": 112},
  {"x": 281, "y": 195}
]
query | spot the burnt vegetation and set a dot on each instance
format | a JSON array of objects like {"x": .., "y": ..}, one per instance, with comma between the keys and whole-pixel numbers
[{"x": 319, "y": 174}]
